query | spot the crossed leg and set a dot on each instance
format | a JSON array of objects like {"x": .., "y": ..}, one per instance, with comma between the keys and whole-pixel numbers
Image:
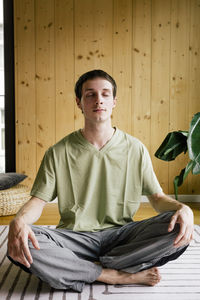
[
  {"x": 142, "y": 247},
  {"x": 128, "y": 255}
]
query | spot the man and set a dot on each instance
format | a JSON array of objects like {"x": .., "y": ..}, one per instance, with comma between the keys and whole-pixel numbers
[{"x": 98, "y": 174}]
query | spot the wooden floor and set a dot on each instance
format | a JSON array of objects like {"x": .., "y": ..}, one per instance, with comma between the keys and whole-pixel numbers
[{"x": 50, "y": 215}]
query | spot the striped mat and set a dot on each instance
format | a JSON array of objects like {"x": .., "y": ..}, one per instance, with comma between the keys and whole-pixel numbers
[{"x": 180, "y": 281}]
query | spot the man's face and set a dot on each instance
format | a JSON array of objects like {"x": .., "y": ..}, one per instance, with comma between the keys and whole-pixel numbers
[{"x": 97, "y": 101}]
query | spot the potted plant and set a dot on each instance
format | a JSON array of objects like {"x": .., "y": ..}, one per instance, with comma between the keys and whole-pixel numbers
[{"x": 177, "y": 142}]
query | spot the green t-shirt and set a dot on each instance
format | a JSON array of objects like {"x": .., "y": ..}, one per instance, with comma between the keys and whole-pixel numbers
[{"x": 96, "y": 189}]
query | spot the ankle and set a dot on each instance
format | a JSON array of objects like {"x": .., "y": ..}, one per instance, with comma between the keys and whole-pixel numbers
[{"x": 109, "y": 276}]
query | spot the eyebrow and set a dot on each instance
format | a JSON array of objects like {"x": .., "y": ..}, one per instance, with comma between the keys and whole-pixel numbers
[{"x": 94, "y": 90}]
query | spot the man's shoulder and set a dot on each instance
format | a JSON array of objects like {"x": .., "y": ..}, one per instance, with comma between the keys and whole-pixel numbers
[
  {"x": 63, "y": 143},
  {"x": 132, "y": 141}
]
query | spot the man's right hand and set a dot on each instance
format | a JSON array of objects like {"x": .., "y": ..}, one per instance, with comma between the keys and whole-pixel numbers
[{"x": 18, "y": 236}]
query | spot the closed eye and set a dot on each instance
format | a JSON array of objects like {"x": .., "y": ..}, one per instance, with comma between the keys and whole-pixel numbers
[{"x": 90, "y": 95}]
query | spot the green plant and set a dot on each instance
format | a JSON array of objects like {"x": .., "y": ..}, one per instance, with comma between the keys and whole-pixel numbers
[{"x": 177, "y": 142}]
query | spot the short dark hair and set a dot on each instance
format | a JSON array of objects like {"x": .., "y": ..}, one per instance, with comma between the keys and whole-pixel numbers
[{"x": 92, "y": 75}]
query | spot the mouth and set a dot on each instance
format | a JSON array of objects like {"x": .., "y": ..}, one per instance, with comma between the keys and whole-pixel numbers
[{"x": 99, "y": 110}]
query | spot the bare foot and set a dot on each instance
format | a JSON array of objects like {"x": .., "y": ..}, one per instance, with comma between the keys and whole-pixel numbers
[{"x": 147, "y": 277}]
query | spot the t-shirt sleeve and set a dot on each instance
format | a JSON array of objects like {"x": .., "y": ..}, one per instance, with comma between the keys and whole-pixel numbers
[
  {"x": 150, "y": 184},
  {"x": 44, "y": 186}
]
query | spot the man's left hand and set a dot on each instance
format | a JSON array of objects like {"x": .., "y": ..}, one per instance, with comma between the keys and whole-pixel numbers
[{"x": 184, "y": 217}]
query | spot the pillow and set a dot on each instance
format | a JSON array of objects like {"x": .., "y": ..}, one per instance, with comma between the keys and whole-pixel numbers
[{"x": 7, "y": 180}]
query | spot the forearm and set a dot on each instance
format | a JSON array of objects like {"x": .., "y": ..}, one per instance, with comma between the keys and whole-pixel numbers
[
  {"x": 162, "y": 203},
  {"x": 31, "y": 211}
]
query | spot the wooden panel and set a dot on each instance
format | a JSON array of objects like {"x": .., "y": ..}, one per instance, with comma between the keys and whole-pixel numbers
[
  {"x": 155, "y": 64},
  {"x": 194, "y": 76},
  {"x": 93, "y": 39},
  {"x": 122, "y": 45},
  {"x": 45, "y": 76},
  {"x": 179, "y": 77},
  {"x": 141, "y": 79},
  {"x": 25, "y": 91},
  {"x": 64, "y": 73},
  {"x": 160, "y": 84}
]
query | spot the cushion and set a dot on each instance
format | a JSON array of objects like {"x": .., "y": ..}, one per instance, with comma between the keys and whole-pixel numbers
[{"x": 8, "y": 180}]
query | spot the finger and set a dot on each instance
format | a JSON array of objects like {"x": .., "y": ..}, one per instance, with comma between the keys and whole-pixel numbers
[
  {"x": 192, "y": 233},
  {"x": 187, "y": 234},
  {"x": 182, "y": 242},
  {"x": 181, "y": 234},
  {"x": 187, "y": 237},
  {"x": 23, "y": 260},
  {"x": 26, "y": 249},
  {"x": 20, "y": 257},
  {"x": 190, "y": 236},
  {"x": 33, "y": 240},
  {"x": 27, "y": 253},
  {"x": 172, "y": 222}
]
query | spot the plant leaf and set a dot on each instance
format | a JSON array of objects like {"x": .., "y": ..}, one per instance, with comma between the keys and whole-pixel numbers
[
  {"x": 176, "y": 187},
  {"x": 174, "y": 144},
  {"x": 196, "y": 166},
  {"x": 193, "y": 142},
  {"x": 178, "y": 180}
]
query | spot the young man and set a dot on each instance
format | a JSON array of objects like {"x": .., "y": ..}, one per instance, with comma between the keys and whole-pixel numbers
[{"x": 98, "y": 174}]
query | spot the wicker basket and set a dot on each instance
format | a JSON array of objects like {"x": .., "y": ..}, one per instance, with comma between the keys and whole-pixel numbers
[{"x": 12, "y": 199}]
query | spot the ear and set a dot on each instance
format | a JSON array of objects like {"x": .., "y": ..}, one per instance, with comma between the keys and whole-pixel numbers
[
  {"x": 78, "y": 102},
  {"x": 114, "y": 102}
]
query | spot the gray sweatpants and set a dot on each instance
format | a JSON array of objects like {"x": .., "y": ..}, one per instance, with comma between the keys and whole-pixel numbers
[{"x": 66, "y": 259}]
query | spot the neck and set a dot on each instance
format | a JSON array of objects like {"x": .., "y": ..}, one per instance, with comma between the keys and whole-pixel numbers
[{"x": 98, "y": 134}]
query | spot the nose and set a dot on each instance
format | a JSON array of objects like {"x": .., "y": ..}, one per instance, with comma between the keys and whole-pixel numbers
[{"x": 99, "y": 99}]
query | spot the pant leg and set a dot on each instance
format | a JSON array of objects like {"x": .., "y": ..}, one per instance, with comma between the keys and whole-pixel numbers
[
  {"x": 66, "y": 258},
  {"x": 142, "y": 245}
]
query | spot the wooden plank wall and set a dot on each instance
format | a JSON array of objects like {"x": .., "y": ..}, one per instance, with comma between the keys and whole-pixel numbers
[{"x": 152, "y": 49}]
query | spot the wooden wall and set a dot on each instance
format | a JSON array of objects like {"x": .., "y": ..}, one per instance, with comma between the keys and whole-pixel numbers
[{"x": 152, "y": 49}]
